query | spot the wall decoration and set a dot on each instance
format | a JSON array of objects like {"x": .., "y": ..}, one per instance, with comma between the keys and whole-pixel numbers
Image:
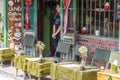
[
  {"x": 28, "y": 3},
  {"x": 17, "y": 34},
  {"x": 11, "y": 3},
  {"x": 14, "y": 24}
]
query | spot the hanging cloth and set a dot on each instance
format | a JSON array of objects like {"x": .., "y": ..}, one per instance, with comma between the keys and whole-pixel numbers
[
  {"x": 28, "y": 3},
  {"x": 66, "y": 4}
]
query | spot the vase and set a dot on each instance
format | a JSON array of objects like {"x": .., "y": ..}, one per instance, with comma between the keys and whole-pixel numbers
[
  {"x": 82, "y": 64},
  {"x": 41, "y": 58},
  {"x": 97, "y": 33}
]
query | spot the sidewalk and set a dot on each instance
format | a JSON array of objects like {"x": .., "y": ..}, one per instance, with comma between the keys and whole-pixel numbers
[{"x": 11, "y": 71}]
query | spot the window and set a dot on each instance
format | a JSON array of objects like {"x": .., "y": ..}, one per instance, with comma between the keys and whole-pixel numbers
[{"x": 98, "y": 16}]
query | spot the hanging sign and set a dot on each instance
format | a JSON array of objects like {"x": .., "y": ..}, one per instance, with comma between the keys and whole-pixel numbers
[{"x": 118, "y": 10}]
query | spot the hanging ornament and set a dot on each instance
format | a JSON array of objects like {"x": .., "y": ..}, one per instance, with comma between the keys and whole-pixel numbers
[
  {"x": 66, "y": 4},
  {"x": 107, "y": 6},
  {"x": 84, "y": 30},
  {"x": 28, "y": 3}
]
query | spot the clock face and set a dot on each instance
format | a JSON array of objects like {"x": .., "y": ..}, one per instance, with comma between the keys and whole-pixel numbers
[{"x": 11, "y": 3}]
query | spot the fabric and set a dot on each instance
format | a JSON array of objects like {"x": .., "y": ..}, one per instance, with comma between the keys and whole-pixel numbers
[
  {"x": 66, "y": 6},
  {"x": 57, "y": 24}
]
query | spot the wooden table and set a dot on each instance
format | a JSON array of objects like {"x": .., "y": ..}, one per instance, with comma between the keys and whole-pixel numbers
[
  {"x": 71, "y": 71},
  {"x": 105, "y": 75}
]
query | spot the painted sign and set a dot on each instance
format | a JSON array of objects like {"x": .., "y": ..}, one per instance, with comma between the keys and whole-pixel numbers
[{"x": 14, "y": 24}]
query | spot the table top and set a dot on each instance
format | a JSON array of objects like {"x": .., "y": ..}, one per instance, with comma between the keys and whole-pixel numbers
[
  {"x": 4, "y": 48},
  {"x": 71, "y": 71},
  {"x": 76, "y": 66}
]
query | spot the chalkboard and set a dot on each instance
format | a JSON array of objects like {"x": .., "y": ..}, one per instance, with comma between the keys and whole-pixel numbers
[
  {"x": 118, "y": 10},
  {"x": 28, "y": 41}
]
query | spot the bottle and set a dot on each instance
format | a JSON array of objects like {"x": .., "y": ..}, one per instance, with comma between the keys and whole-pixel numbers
[
  {"x": 110, "y": 78},
  {"x": 102, "y": 68}
]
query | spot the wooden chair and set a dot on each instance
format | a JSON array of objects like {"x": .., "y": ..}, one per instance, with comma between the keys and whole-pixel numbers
[
  {"x": 76, "y": 52},
  {"x": 28, "y": 44},
  {"x": 101, "y": 55},
  {"x": 64, "y": 49}
]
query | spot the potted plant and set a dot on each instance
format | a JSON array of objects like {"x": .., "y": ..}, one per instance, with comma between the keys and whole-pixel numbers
[
  {"x": 83, "y": 54},
  {"x": 40, "y": 47}
]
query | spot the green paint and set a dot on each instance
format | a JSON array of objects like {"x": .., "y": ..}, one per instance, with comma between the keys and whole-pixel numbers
[
  {"x": 5, "y": 24},
  {"x": 46, "y": 31},
  {"x": 61, "y": 17}
]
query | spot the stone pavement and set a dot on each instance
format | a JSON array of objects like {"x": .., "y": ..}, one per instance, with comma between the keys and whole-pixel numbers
[{"x": 11, "y": 73}]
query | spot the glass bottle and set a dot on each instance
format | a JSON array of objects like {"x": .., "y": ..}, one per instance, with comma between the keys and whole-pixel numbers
[{"x": 110, "y": 78}]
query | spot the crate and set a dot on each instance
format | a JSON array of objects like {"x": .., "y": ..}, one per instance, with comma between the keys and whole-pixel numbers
[
  {"x": 71, "y": 71},
  {"x": 106, "y": 75},
  {"x": 6, "y": 54}
]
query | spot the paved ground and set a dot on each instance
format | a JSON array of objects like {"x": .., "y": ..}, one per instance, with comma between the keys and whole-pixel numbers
[
  {"x": 4, "y": 76},
  {"x": 8, "y": 73}
]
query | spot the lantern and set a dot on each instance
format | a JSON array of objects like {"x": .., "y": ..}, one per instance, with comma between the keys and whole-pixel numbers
[
  {"x": 84, "y": 30},
  {"x": 28, "y": 3},
  {"x": 107, "y": 6}
]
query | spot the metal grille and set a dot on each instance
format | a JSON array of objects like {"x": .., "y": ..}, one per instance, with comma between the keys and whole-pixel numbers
[{"x": 96, "y": 17}]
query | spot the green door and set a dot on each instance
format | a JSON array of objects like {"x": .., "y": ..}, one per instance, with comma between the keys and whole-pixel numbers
[{"x": 46, "y": 31}]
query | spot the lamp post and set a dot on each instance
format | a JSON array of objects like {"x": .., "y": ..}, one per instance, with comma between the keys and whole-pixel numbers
[{"x": 28, "y": 3}]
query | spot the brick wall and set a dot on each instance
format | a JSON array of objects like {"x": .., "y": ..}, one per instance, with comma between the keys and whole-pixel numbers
[{"x": 94, "y": 43}]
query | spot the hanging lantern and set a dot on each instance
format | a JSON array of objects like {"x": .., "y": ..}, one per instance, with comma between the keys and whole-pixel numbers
[
  {"x": 107, "y": 6},
  {"x": 84, "y": 30},
  {"x": 28, "y": 3}
]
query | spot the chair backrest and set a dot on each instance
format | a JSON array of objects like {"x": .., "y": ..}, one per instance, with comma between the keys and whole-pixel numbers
[
  {"x": 101, "y": 55},
  {"x": 28, "y": 40},
  {"x": 76, "y": 52},
  {"x": 114, "y": 56},
  {"x": 62, "y": 47}
]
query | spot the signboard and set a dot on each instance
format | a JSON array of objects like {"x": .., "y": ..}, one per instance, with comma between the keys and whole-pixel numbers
[{"x": 118, "y": 10}]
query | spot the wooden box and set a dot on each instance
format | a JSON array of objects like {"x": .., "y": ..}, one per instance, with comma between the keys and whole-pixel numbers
[
  {"x": 106, "y": 75},
  {"x": 6, "y": 54},
  {"x": 71, "y": 71},
  {"x": 38, "y": 69}
]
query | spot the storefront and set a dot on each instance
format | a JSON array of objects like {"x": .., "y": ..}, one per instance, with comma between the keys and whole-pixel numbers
[{"x": 102, "y": 28}]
